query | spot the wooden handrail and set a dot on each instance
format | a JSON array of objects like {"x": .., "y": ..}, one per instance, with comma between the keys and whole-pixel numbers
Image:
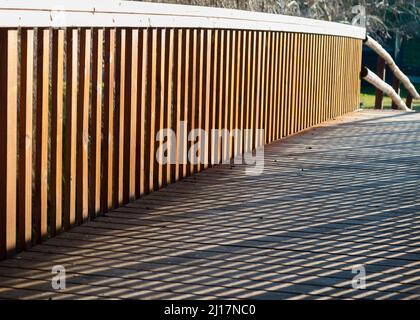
[{"x": 110, "y": 13}]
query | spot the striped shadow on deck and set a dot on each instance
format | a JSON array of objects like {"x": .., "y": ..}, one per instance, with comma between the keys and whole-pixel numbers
[{"x": 338, "y": 196}]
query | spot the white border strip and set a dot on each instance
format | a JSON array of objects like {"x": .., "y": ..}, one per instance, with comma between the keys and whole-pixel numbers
[{"x": 109, "y": 13}]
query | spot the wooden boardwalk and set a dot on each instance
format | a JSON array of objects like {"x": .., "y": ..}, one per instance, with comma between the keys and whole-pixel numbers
[{"x": 338, "y": 196}]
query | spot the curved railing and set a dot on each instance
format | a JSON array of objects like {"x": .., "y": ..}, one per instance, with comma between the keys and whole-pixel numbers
[{"x": 86, "y": 86}]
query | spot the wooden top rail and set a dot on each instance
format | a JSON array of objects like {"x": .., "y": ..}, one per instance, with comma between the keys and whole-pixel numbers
[{"x": 106, "y": 13}]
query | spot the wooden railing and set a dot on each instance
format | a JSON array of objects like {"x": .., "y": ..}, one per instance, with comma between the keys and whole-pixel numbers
[
  {"x": 85, "y": 87},
  {"x": 379, "y": 96}
]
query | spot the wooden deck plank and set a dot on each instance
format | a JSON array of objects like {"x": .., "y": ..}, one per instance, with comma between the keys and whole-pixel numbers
[{"x": 329, "y": 199}]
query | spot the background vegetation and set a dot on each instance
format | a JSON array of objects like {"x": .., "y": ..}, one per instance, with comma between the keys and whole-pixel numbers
[{"x": 392, "y": 22}]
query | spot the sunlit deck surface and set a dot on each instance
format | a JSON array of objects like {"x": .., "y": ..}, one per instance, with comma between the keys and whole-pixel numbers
[{"x": 338, "y": 196}]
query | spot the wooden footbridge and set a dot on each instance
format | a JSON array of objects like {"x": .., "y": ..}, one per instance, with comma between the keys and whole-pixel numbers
[{"x": 83, "y": 188}]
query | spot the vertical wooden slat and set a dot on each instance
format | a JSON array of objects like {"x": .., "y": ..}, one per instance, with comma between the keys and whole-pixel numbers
[
  {"x": 282, "y": 72},
  {"x": 313, "y": 80},
  {"x": 274, "y": 80},
  {"x": 310, "y": 81},
  {"x": 335, "y": 76},
  {"x": 247, "y": 87},
  {"x": 305, "y": 80},
  {"x": 232, "y": 91},
  {"x": 263, "y": 106},
  {"x": 322, "y": 78},
  {"x": 158, "y": 109},
  {"x": 302, "y": 70},
  {"x": 163, "y": 93},
  {"x": 316, "y": 80},
  {"x": 294, "y": 88},
  {"x": 153, "y": 102},
  {"x": 8, "y": 140},
  {"x": 215, "y": 94},
  {"x": 25, "y": 138},
  {"x": 227, "y": 89},
  {"x": 287, "y": 84},
  {"x": 185, "y": 100},
  {"x": 170, "y": 103},
  {"x": 318, "y": 106},
  {"x": 296, "y": 84},
  {"x": 192, "y": 120},
  {"x": 338, "y": 76},
  {"x": 57, "y": 131},
  {"x": 161, "y": 105},
  {"x": 329, "y": 72},
  {"x": 130, "y": 121},
  {"x": 275, "y": 91},
  {"x": 331, "y": 80},
  {"x": 96, "y": 124},
  {"x": 268, "y": 88},
  {"x": 330, "y": 77},
  {"x": 347, "y": 76},
  {"x": 71, "y": 128},
  {"x": 314, "y": 83},
  {"x": 147, "y": 110},
  {"x": 41, "y": 163},
  {"x": 108, "y": 126},
  {"x": 141, "y": 99},
  {"x": 82, "y": 180},
  {"x": 209, "y": 70},
  {"x": 343, "y": 77},
  {"x": 350, "y": 76},
  {"x": 342, "y": 91},
  {"x": 252, "y": 103},
  {"x": 325, "y": 80},
  {"x": 258, "y": 91},
  {"x": 279, "y": 104},
  {"x": 119, "y": 117},
  {"x": 299, "y": 85},
  {"x": 201, "y": 88},
  {"x": 221, "y": 97},
  {"x": 309, "y": 74},
  {"x": 299, "y": 126},
  {"x": 240, "y": 94},
  {"x": 178, "y": 103}
]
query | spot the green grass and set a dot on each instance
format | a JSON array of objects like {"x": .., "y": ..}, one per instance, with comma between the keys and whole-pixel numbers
[{"x": 368, "y": 98}]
